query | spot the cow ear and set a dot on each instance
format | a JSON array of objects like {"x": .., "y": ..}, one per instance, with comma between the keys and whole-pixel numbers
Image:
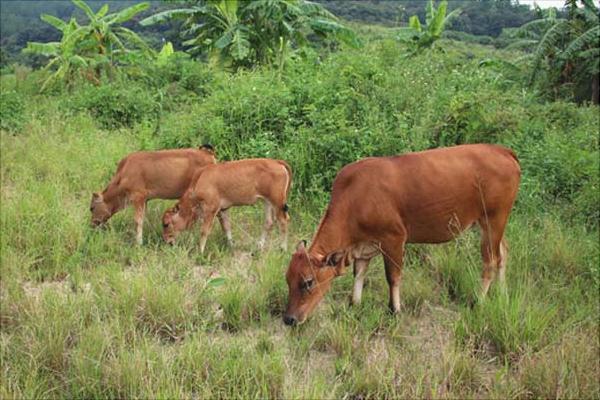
[
  {"x": 176, "y": 208},
  {"x": 97, "y": 197},
  {"x": 338, "y": 260},
  {"x": 208, "y": 147},
  {"x": 301, "y": 246},
  {"x": 333, "y": 259}
]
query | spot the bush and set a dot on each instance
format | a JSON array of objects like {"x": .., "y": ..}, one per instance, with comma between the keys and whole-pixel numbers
[
  {"x": 115, "y": 105},
  {"x": 12, "y": 111}
]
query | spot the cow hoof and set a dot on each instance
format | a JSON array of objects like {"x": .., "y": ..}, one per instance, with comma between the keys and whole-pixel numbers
[{"x": 393, "y": 310}]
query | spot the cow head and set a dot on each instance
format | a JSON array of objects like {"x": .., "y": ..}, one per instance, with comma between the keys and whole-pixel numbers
[
  {"x": 100, "y": 210},
  {"x": 309, "y": 278},
  {"x": 172, "y": 224},
  {"x": 174, "y": 221}
]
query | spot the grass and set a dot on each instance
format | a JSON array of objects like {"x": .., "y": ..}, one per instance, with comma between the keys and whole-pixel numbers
[{"x": 88, "y": 314}]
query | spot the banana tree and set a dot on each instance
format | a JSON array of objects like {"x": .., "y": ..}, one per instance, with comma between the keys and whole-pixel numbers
[
  {"x": 242, "y": 33},
  {"x": 563, "y": 51},
  {"x": 435, "y": 21},
  {"x": 96, "y": 46},
  {"x": 64, "y": 58}
]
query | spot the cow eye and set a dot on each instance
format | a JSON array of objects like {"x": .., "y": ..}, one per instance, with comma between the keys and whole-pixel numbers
[
  {"x": 307, "y": 284},
  {"x": 165, "y": 225}
]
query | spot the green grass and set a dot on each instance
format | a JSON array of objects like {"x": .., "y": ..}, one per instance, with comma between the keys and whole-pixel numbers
[{"x": 88, "y": 314}]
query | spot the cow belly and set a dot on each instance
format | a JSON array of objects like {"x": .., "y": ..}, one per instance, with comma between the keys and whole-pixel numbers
[{"x": 440, "y": 229}]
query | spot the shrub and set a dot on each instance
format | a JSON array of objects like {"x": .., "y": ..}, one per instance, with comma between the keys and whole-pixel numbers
[
  {"x": 115, "y": 105},
  {"x": 12, "y": 111}
]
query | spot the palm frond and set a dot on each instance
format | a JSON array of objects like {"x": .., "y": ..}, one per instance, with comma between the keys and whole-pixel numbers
[
  {"x": 46, "y": 49},
  {"x": 168, "y": 15},
  {"x": 126, "y": 14},
  {"x": 55, "y": 22},
  {"x": 88, "y": 11},
  {"x": 589, "y": 39},
  {"x": 548, "y": 42},
  {"x": 102, "y": 11}
]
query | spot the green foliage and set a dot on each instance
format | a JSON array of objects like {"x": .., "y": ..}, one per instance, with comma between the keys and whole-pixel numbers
[
  {"x": 114, "y": 105},
  {"x": 88, "y": 49},
  {"x": 12, "y": 111},
  {"x": 564, "y": 52},
  {"x": 243, "y": 33},
  {"x": 436, "y": 20}
]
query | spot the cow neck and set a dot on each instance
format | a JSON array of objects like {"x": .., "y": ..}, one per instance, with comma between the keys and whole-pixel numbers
[
  {"x": 331, "y": 236},
  {"x": 114, "y": 198},
  {"x": 187, "y": 209}
]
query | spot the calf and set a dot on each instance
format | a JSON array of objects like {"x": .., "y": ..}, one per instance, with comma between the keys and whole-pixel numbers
[
  {"x": 146, "y": 175},
  {"x": 379, "y": 204},
  {"x": 236, "y": 183}
]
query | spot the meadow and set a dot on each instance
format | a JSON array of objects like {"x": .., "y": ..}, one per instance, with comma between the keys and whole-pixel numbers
[{"x": 87, "y": 314}]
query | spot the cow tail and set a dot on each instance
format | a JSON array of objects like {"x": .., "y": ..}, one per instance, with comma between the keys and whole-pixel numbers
[{"x": 288, "y": 185}]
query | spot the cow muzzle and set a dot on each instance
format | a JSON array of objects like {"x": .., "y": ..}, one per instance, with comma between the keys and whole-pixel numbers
[
  {"x": 98, "y": 223},
  {"x": 290, "y": 320}
]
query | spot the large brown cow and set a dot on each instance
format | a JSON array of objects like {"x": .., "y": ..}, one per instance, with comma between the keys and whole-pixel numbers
[
  {"x": 235, "y": 183},
  {"x": 379, "y": 204},
  {"x": 146, "y": 175}
]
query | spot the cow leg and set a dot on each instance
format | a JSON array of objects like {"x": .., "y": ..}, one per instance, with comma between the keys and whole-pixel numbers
[
  {"x": 208, "y": 217},
  {"x": 282, "y": 221},
  {"x": 392, "y": 259},
  {"x": 360, "y": 270},
  {"x": 223, "y": 216},
  {"x": 140, "y": 208},
  {"x": 502, "y": 263},
  {"x": 493, "y": 251},
  {"x": 268, "y": 225}
]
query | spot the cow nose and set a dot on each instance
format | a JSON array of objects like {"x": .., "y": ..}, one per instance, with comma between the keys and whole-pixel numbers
[{"x": 290, "y": 321}]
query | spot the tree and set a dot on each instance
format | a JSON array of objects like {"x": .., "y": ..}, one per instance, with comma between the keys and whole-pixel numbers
[
  {"x": 243, "y": 33},
  {"x": 93, "y": 47},
  {"x": 563, "y": 51},
  {"x": 435, "y": 19}
]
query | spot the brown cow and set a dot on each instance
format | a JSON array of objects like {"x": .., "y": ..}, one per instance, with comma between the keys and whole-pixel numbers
[
  {"x": 379, "y": 204},
  {"x": 236, "y": 183},
  {"x": 146, "y": 175}
]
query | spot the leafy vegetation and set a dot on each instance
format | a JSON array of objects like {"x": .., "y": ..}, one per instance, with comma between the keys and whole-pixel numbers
[
  {"x": 86, "y": 314},
  {"x": 89, "y": 48},
  {"x": 565, "y": 52},
  {"x": 12, "y": 111},
  {"x": 436, "y": 19},
  {"x": 246, "y": 33}
]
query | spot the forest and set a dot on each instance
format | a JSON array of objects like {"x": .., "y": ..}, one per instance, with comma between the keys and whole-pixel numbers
[{"x": 87, "y": 313}]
